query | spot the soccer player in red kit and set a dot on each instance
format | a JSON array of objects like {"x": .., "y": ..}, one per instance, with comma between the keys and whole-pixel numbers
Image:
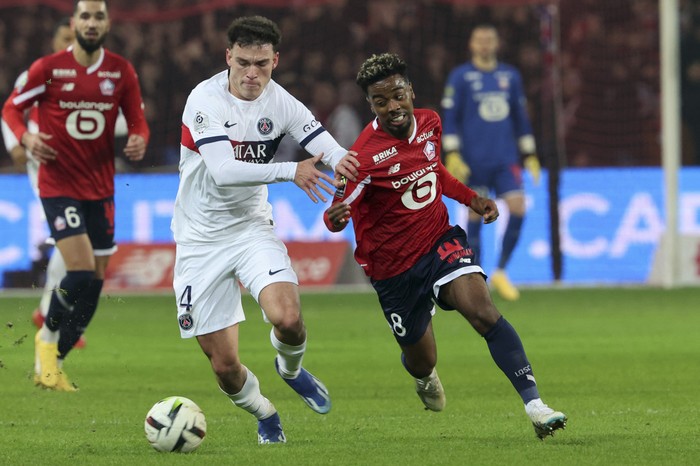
[
  {"x": 405, "y": 244},
  {"x": 79, "y": 92}
]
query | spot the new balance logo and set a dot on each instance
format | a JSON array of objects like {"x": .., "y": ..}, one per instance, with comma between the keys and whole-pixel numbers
[
  {"x": 228, "y": 124},
  {"x": 68, "y": 87},
  {"x": 394, "y": 168}
]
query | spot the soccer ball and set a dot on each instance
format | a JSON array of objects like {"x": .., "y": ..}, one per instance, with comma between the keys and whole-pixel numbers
[{"x": 176, "y": 424}]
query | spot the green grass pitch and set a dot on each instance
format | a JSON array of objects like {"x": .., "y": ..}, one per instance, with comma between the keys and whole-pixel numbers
[{"x": 623, "y": 364}]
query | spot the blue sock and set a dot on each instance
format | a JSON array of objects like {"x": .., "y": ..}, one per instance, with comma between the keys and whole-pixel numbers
[
  {"x": 510, "y": 240},
  {"x": 509, "y": 355},
  {"x": 65, "y": 295},
  {"x": 75, "y": 322},
  {"x": 474, "y": 238}
]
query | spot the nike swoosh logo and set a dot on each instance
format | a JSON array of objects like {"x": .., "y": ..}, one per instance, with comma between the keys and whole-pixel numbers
[
  {"x": 228, "y": 125},
  {"x": 272, "y": 272}
]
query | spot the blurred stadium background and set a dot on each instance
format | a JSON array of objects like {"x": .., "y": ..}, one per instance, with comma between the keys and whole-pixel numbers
[{"x": 593, "y": 74}]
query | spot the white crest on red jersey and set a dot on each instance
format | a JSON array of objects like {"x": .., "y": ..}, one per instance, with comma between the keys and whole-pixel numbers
[
  {"x": 107, "y": 87},
  {"x": 429, "y": 150}
]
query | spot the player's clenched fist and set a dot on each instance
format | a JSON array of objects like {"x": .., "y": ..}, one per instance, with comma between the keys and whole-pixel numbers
[{"x": 338, "y": 214}]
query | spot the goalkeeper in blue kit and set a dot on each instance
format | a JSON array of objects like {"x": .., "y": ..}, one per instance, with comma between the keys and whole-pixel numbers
[{"x": 487, "y": 139}]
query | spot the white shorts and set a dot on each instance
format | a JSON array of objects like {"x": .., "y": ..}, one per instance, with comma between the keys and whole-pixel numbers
[{"x": 207, "y": 275}]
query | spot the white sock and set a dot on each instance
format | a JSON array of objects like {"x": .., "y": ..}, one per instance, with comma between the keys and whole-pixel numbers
[
  {"x": 533, "y": 405},
  {"x": 250, "y": 398},
  {"x": 429, "y": 377},
  {"x": 55, "y": 272},
  {"x": 288, "y": 357},
  {"x": 47, "y": 336}
]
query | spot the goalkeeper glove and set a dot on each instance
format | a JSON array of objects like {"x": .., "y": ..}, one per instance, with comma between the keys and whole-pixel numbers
[
  {"x": 532, "y": 165},
  {"x": 457, "y": 167}
]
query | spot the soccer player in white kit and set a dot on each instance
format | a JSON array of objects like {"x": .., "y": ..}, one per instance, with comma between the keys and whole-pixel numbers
[{"x": 222, "y": 224}]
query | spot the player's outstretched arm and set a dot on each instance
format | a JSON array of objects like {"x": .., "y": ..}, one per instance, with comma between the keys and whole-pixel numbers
[
  {"x": 308, "y": 178},
  {"x": 485, "y": 207}
]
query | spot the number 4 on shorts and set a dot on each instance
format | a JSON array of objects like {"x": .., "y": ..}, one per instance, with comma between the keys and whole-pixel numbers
[{"x": 186, "y": 298}]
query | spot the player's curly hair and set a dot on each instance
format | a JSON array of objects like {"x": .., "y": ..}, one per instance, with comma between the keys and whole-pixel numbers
[
  {"x": 253, "y": 30},
  {"x": 378, "y": 67}
]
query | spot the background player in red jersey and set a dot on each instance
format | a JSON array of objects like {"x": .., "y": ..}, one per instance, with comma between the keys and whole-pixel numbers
[
  {"x": 79, "y": 92},
  {"x": 63, "y": 37},
  {"x": 407, "y": 247}
]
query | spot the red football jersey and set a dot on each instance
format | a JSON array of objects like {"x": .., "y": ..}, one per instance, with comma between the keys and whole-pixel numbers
[
  {"x": 396, "y": 204},
  {"x": 78, "y": 106}
]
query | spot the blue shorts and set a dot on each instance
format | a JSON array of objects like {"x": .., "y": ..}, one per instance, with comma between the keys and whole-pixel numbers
[
  {"x": 500, "y": 180},
  {"x": 408, "y": 299},
  {"x": 70, "y": 217}
]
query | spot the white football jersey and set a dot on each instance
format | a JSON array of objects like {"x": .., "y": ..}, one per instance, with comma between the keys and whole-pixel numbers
[{"x": 250, "y": 132}]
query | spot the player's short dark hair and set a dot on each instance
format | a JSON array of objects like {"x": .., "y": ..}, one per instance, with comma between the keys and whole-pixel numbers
[
  {"x": 253, "y": 30},
  {"x": 483, "y": 25},
  {"x": 378, "y": 67},
  {"x": 75, "y": 4},
  {"x": 63, "y": 23}
]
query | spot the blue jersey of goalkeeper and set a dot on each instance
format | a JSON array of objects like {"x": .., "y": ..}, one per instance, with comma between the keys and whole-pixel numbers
[{"x": 485, "y": 118}]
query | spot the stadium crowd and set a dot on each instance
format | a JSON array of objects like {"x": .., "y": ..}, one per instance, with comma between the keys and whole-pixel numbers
[{"x": 605, "y": 98}]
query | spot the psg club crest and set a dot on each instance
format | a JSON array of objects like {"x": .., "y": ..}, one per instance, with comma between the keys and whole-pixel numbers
[
  {"x": 429, "y": 150},
  {"x": 185, "y": 321},
  {"x": 264, "y": 126}
]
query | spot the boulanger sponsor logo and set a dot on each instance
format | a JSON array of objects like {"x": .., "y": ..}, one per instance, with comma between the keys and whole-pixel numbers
[
  {"x": 396, "y": 184},
  {"x": 384, "y": 155},
  {"x": 83, "y": 105}
]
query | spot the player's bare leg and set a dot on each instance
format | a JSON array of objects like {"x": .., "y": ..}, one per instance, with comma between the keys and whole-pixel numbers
[
  {"x": 281, "y": 305},
  {"x": 420, "y": 360},
  {"x": 239, "y": 384}
]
